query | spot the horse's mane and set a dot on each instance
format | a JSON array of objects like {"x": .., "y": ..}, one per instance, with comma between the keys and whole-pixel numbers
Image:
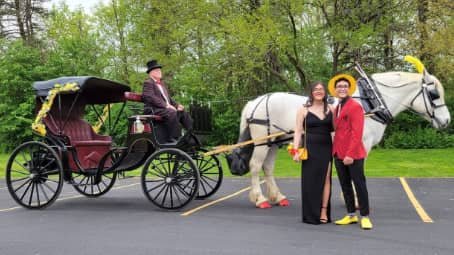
[{"x": 397, "y": 79}]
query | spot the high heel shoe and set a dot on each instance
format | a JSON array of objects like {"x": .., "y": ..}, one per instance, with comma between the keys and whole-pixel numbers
[{"x": 323, "y": 220}]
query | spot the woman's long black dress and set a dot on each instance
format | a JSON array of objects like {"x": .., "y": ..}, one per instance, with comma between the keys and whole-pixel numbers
[{"x": 315, "y": 168}]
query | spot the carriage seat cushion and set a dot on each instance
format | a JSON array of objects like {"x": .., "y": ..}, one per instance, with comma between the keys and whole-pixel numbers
[
  {"x": 137, "y": 97},
  {"x": 89, "y": 146},
  {"x": 131, "y": 96},
  {"x": 80, "y": 133}
]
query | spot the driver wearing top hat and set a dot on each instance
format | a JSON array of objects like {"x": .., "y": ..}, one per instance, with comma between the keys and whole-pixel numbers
[{"x": 158, "y": 101}]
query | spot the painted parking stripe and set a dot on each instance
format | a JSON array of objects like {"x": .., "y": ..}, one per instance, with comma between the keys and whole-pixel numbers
[
  {"x": 187, "y": 213},
  {"x": 418, "y": 207},
  {"x": 70, "y": 197}
]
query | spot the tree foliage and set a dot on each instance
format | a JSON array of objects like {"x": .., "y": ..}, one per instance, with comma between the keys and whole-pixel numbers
[{"x": 216, "y": 53}]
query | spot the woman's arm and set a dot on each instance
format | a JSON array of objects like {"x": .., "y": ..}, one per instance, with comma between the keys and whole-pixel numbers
[{"x": 300, "y": 115}]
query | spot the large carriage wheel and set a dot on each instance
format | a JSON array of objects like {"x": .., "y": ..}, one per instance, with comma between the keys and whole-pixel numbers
[
  {"x": 210, "y": 170},
  {"x": 86, "y": 184},
  {"x": 170, "y": 179},
  {"x": 34, "y": 175}
]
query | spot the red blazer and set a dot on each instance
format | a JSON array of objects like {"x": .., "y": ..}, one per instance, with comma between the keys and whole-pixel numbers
[{"x": 348, "y": 134}]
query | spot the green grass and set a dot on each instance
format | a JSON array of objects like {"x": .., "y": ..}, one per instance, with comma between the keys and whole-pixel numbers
[
  {"x": 386, "y": 163},
  {"x": 380, "y": 163}
]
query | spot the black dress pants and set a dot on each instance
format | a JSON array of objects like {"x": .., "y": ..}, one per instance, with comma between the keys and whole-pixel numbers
[
  {"x": 171, "y": 121},
  {"x": 178, "y": 117},
  {"x": 355, "y": 173}
]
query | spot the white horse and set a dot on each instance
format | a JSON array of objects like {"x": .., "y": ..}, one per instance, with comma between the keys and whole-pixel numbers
[{"x": 399, "y": 90}]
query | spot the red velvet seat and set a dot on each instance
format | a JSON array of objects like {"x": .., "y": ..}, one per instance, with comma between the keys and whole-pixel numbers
[
  {"x": 137, "y": 97},
  {"x": 89, "y": 146}
]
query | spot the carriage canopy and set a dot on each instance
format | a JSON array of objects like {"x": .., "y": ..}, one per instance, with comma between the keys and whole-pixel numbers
[{"x": 93, "y": 90}]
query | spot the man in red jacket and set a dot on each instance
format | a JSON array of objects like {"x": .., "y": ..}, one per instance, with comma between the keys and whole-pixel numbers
[
  {"x": 158, "y": 101},
  {"x": 349, "y": 151}
]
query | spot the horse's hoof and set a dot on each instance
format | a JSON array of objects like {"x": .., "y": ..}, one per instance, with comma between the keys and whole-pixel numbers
[
  {"x": 264, "y": 205},
  {"x": 284, "y": 202}
]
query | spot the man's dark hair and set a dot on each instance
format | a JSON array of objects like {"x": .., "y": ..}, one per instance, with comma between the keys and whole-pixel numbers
[{"x": 342, "y": 79}]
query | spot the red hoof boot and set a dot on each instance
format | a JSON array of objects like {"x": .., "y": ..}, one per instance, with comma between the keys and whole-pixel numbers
[
  {"x": 264, "y": 205},
  {"x": 284, "y": 202}
]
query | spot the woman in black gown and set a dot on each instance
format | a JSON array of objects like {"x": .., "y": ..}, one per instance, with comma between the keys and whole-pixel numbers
[{"x": 316, "y": 170}]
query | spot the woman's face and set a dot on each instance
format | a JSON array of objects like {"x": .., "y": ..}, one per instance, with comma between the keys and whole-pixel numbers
[{"x": 318, "y": 92}]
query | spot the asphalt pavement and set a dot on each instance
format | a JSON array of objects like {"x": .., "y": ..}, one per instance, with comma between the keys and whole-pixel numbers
[{"x": 124, "y": 222}]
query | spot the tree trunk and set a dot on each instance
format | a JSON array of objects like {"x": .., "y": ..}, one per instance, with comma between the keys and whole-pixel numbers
[
  {"x": 423, "y": 11},
  {"x": 388, "y": 49},
  {"x": 123, "y": 48},
  {"x": 20, "y": 22},
  {"x": 335, "y": 55}
]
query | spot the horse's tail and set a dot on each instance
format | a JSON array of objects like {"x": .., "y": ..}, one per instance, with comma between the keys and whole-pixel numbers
[
  {"x": 238, "y": 160},
  {"x": 245, "y": 133}
]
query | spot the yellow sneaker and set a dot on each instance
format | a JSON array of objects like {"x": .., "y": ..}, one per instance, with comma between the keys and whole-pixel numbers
[
  {"x": 347, "y": 220},
  {"x": 366, "y": 223}
]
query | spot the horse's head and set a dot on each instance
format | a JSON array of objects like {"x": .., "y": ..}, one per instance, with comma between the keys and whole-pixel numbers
[{"x": 430, "y": 101}]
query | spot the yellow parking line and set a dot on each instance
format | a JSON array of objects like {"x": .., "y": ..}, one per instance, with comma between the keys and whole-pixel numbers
[
  {"x": 419, "y": 209},
  {"x": 187, "y": 213},
  {"x": 70, "y": 197}
]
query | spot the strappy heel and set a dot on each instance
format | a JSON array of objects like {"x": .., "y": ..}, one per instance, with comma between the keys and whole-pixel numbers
[{"x": 323, "y": 220}]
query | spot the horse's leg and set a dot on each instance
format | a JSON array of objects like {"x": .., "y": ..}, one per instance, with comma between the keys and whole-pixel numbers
[
  {"x": 273, "y": 193},
  {"x": 256, "y": 163}
]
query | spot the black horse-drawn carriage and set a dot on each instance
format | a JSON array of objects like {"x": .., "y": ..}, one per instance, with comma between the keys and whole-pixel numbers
[{"x": 69, "y": 150}]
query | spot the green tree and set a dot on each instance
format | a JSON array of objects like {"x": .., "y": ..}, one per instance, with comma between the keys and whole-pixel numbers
[
  {"x": 21, "y": 65},
  {"x": 72, "y": 44}
]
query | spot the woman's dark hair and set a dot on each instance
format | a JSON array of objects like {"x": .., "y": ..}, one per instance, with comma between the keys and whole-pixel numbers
[{"x": 310, "y": 100}]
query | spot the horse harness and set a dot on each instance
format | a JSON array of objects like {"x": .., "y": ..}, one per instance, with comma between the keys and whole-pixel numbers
[
  {"x": 266, "y": 122},
  {"x": 372, "y": 101},
  {"x": 430, "y": 96}
]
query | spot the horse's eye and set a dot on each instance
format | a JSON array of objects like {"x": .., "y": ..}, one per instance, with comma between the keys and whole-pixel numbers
[{"x": 433, "y": 94}]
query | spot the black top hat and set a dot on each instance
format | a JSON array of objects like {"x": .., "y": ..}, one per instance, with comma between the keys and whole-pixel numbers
[{"x": 153, "y": 64}]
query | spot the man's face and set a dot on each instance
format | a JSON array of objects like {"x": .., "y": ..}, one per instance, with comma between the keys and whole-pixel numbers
[
  {"x": 342, "y": 89},
  {"x": 156, "y": 74}
]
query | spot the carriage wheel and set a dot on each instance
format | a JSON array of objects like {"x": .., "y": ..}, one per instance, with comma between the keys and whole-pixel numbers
[
  {"x": 170, "y": 179},
  {"x": 86, "y": 183},
  {"x": 34, "y": 175},
  {"x": 211, "y": 174}
]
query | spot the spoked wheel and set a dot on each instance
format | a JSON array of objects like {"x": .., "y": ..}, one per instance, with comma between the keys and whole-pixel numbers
[
  {"x": 34, "y": 175},
  {"x": 210, "y": 170},
  {"x": 86, "y": 183},
  {"x": 170, "y": 179}
]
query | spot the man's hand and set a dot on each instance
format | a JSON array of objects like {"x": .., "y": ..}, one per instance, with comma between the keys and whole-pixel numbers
[
  {"x": 180, "y": 107},
  {"x": 348, "y": 161},
  {"x": 169, "y": 106}
]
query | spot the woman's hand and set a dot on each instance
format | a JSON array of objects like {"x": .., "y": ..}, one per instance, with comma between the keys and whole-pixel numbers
[{"x": 296, "y": 157}]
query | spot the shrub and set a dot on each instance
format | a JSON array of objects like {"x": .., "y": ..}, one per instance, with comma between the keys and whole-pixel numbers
[{"x": 420, "y": 138}]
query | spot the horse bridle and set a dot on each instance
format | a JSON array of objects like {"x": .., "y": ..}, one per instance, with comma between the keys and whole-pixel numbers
[{"x": 430, "y": 97}]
